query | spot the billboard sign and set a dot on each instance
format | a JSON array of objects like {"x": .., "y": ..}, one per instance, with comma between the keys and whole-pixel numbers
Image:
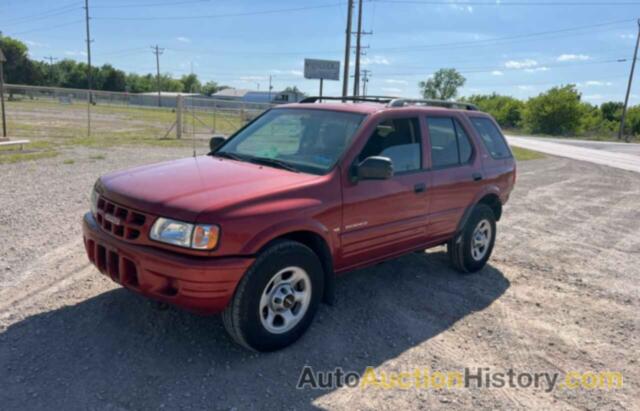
[{"x": 321, "y": 69}]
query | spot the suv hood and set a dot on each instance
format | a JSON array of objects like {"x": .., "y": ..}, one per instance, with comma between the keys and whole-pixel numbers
[{"x": 182, "y": 189}]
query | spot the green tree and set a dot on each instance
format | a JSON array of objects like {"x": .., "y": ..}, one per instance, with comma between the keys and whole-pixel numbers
[
  {"x": 210, "y": 88},
  {"x": 506, "y": 110},
  {"x": 112, "y": 79},
  {"x": 612, "y": 110},
  {"x": 443, "y": 85},
  {"x": 190, "y": 83},
  {"x": 556, "y": 112},
  {"x": 19, "y": 69}
]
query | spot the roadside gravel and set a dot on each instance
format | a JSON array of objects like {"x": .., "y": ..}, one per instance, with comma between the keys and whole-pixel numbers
[{"x": 561, "y": 294}]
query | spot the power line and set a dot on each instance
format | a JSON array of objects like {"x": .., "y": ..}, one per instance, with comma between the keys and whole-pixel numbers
[
  {"x": 214, "y": 16},
  {"x": 158, "y": 4},
  {"x": 49, "y": 28},
  {"x": 45, "y": 14},
  {"x": 510, "y": 3}
]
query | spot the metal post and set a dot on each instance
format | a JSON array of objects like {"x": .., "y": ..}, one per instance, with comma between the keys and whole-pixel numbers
[
  {"x": 626, "y": 99},
  {"x": 356, "y": 74},
  {"x": 347, "y": 51},
  {"x": 89, "y": 74},
  {"x": 179, "y": 107},
  {"x": 4, "y": 118},
  {"x": 321, "y": 80}
]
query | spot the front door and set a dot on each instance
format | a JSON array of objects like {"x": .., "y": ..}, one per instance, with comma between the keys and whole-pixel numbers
[{"x": 386, "y": 217}]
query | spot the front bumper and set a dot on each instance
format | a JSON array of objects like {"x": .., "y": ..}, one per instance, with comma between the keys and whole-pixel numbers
[{"x": 200, "y": 284}]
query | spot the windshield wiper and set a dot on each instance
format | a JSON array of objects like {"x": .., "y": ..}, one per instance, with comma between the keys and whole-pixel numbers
[
  {"x": 225, "y": 154},
  {"x": 274, "y": 163}
]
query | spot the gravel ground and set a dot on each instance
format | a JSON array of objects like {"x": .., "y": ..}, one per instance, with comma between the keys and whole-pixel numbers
[{"x": 560, "y": 294}]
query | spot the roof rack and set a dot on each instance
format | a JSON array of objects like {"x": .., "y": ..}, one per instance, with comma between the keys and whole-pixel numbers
[
  {"x": 369, "y": 99},
  {"x": 401, "y": 102},
  {"x": 395, "y": 101}
]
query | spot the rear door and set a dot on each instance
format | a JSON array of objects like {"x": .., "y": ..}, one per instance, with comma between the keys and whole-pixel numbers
[
  {"x": 386, "y": 217},
  {"x": 455, "y": 173}
]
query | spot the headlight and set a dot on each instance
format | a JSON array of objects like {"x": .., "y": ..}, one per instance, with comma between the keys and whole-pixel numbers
[
  {"x": 94, "y": 201},
  {"x": 197, "y": 236}
]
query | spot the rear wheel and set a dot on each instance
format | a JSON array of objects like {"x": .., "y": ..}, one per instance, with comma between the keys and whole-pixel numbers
[
  {"x": 277, "y": 298},
  {"x": 470, "y": 250}
]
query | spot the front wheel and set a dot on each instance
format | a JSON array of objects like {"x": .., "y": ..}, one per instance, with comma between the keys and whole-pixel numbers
[
  {"x": 278, "y": 297},
  {"x": 470, "y": 250}
]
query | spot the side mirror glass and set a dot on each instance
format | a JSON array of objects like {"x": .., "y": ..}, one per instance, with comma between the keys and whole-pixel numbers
[
  {"x": 375, "y": 168},
  {"x": 215, "y": 142}
]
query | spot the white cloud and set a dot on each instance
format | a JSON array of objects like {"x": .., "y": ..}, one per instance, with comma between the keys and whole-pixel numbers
[
  {"x": 375, "y": 60},
  {"x": 253, "y": 78},
  {"x": 182, "y": 39},
  {"x": 536, "y": 69},
  {"x": 573, "y": 57},
  {"x": 73, "y": 53},
  {"x": 525, "y": 88},
  {"x": 595, "y": 83},
  {"x": 627, "y": 36},
  {"x": 392, "y": 90},
  {"x": 396, "y": 81},
  {"x": 497, "y": 73},
  {"x": 292, "y": 72},
  {"x": 593, "y": 97},
  {"x": 460, "y": 7},
  {"x": 34, "y": 43},
  {"x": 520, "y": 64}
]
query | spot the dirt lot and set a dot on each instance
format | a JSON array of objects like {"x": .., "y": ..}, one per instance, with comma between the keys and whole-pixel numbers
[{"x": 561, "y": 294}]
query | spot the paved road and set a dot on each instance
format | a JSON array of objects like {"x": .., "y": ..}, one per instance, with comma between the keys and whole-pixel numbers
[{"x": 625, "y": 156}]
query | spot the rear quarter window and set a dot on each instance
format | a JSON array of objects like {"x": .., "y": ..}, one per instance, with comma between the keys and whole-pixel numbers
[{"x": 491, "y": 137}]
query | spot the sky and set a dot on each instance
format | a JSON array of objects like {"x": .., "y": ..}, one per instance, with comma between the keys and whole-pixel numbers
[{"x": 513, "y": 47}]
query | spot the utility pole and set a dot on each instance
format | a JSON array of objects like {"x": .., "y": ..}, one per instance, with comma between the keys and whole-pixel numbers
[
  {"x": 270, "y": 88},
  {"x": 89, "y": 76},
  {"x": 356, "y": 73},
  {"x": 4, "y": 118},
  {"x": 347, "y": 51},
  {"x": 626, "y": 99},
  {"x": 158, "y": 51},
  {"x": 51, "y": 60},
  {"x": 365, "y": 80}
]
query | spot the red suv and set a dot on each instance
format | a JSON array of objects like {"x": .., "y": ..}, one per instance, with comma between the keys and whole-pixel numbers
[{"x": 259, "y": 228}]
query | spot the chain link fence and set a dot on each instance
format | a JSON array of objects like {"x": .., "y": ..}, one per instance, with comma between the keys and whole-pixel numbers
[{"x": 72, "y": 116}]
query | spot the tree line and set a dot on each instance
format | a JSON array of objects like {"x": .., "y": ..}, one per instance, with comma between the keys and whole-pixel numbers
[
  {"x": 21, "y": 69},
  {"x": 558, "y": 111}
]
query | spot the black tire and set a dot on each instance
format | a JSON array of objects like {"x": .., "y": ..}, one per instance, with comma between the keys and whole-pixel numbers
[
  {"x": 242, "y": 319},
  {"x": 460, "y": 247}
]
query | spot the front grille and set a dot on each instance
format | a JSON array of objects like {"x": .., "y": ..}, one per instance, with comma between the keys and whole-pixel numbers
[
  {"x": 119, "y": 268},
  {"x": 120, "y": 221}
]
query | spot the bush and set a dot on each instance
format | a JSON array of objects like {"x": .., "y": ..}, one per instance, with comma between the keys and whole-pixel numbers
[
  {"x": 506, "y": 110},
  {"x": 555, "y": 112}
]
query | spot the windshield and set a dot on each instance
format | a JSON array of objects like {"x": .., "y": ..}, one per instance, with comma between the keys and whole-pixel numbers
[{"x": 311, "y": 141}]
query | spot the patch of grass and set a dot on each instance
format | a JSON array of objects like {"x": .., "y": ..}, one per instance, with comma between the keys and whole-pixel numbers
[
  {"x": 98, "y": 157},
  {"x": 522, "y": 154},
  {"x": 22, "y": 156},
  {"x": 69, "y": 161}
]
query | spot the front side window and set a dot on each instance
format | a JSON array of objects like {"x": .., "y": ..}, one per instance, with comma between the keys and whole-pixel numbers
[
  {"x": 450, "y": 145},
  {"x": 400, "y": 141},
  {"x": 306, "y": 140},
  {"x": 491, "y": 137}
]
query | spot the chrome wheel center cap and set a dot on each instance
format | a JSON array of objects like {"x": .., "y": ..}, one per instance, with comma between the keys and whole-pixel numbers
[{"x": 282, "y": 298}]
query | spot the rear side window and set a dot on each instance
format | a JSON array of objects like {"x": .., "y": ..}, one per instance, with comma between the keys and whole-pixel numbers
[
  {"x": 491, "y": 137},
  {"x": 450, "y": 144},
  {"x": 400, "y": 141}
]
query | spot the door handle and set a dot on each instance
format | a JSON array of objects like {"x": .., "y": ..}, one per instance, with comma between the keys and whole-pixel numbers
[
  {"x": 477, "y": 176},
  {"x": 420, "y": 188}
]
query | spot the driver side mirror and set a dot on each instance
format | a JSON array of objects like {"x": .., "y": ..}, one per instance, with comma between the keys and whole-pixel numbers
[
  {"x": 375, "y": 168},
  {"x": 215, "y": 142}
]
